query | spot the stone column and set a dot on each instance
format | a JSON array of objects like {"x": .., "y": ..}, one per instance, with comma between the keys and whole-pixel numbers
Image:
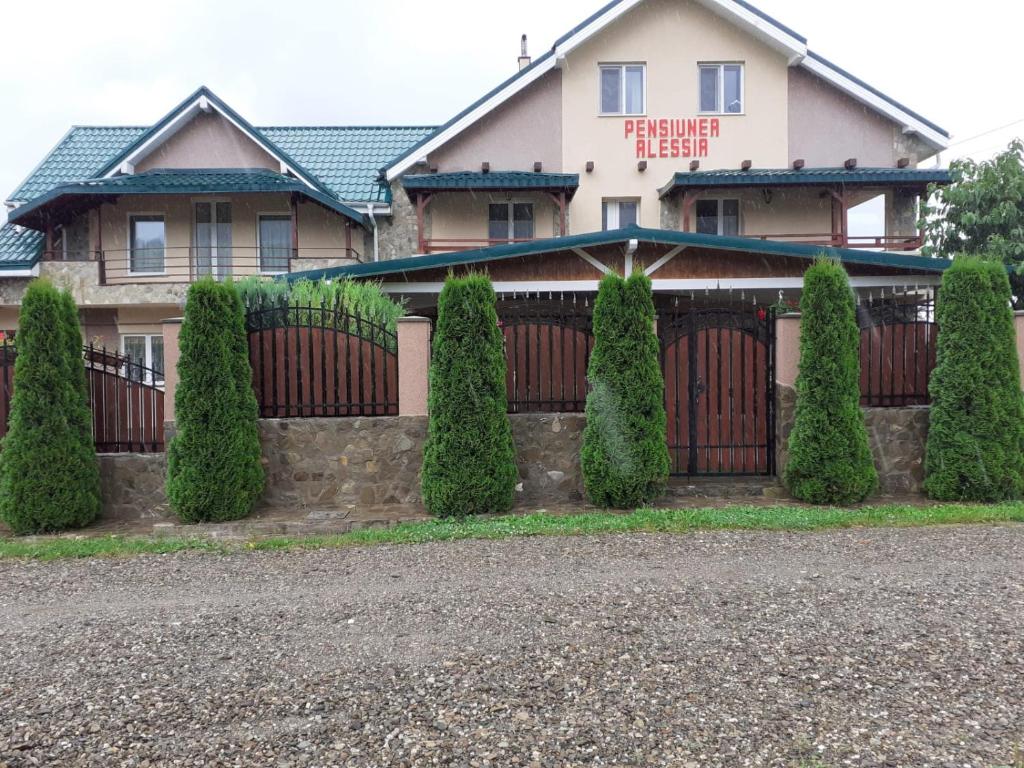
[
  {"x": 1018, "y": 324},
  {"x": 413, "y": 365},
  {"x": 171, "y": 327}
]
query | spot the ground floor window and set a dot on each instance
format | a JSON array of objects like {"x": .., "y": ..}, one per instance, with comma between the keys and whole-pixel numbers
[
  {"x": 510, "y": 221},
  {"x": 275, "y": 242},
  {"x": 616, "y": 214},
  {"x": 146, "y": 355},
  {"x": 718, "y": 217}
]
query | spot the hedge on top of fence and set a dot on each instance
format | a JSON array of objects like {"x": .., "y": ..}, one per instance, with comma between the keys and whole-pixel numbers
[{"x": 49, "y": 476}]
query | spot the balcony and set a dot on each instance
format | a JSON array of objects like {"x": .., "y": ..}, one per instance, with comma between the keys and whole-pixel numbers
[{"x": 186, "y": 264}]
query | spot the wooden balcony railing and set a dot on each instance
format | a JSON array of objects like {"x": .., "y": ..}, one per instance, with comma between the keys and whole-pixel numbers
[{"x": 187, "y": 264}]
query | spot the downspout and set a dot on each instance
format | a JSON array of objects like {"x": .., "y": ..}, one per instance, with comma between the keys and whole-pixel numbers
[
  {"x": 373, "y": 224},
  {"x": 631, "y": 245}
]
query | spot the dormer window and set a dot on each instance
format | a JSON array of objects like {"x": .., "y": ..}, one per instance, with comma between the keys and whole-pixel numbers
[
  {"x": 623, "y": 88},
  {"x": 721, "y": 89}
]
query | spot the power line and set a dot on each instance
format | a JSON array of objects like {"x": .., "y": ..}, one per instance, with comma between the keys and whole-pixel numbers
[{"x": 985, "y": 133}]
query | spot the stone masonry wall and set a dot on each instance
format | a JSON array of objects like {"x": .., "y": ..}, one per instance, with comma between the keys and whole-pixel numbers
[
  {"x": 897, "y": 437},
  {"x": 132, "y": 486}
]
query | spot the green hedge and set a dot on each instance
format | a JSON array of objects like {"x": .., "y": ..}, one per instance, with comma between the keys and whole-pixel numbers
[
  {"x": 976, "y": 433},
  {"x": 49, "y": 476},
  {"x": 469, "y": 463},
  {"x": 829, "y": 457},
  {"x": 214, "y": 460},
  {"x": 624, "y": 458}
]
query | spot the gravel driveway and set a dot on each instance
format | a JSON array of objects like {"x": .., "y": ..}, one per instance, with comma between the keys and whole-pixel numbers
[{"x": 867, "y": 647}]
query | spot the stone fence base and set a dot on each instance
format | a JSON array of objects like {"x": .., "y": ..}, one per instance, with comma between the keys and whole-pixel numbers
[
  {"x": 898, "y": 437},
  {"x": 336, "y": 464}
]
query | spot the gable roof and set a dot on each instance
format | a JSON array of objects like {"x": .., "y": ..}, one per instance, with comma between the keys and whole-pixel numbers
[
  {"x": 204, "y": 100},
  {"x": 657, "y": 236},
  {"x": 755, "y": 21},
  {"x": 205, "y": 181}
]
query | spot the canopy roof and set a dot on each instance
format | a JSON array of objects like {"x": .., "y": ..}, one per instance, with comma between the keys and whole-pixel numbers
[
  {"x": 640, "y": 234},
  {"x": 493, "y": 180},
  {"x": 779, "y": 177}
]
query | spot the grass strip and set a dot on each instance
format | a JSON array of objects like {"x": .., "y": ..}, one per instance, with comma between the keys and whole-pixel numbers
[{"x": 743, "y": 518}]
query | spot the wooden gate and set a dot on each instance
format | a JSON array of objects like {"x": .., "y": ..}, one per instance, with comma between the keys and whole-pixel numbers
[{"x": 719, "y": 391}]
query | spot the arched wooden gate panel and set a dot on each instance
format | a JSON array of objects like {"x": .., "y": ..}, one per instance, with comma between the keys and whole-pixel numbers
[{"x": 719, "y": 391}]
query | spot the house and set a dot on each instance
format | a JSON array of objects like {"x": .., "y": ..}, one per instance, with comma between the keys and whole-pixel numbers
[{"x": 700, "y": 141}]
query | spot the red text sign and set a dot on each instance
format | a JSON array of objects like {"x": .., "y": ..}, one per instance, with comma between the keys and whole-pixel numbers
[{"x": 672, "y": 137}]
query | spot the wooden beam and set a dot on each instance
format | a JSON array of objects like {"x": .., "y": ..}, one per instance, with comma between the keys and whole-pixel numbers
[
  {"x": 599, "y": 265},
  {"x": 421, "y": 209},
  {"x": 294, "y": 209},
  {"x": 654, "y": 267},
  {"x": 687, "y": 206}
]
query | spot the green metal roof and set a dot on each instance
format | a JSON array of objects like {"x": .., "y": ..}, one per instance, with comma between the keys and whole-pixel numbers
[
  {"x": 346, "y": 160},
  {"x": 555, "y": 182},
  {"x": 656, "y": 236},
  {"x": 775, "y": 177},
  {"x": 19, "y": 249},
  {"x": 164, "y": 181}
]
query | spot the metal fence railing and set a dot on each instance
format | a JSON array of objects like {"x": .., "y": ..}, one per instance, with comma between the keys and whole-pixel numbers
[{"x": 897, "y": 350}]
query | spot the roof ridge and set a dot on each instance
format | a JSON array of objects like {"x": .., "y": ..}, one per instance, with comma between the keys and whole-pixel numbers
[{"x": 346, "y": 127}]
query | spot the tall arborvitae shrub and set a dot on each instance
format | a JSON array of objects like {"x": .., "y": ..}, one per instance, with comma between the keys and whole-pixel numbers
[
  {"x": 829, "y": 457},
  {"x": 624, "y": 457},
  {"x": 49, "y": 476},
  {"x": 469, "y": 462},
  {"x": 976, "y": 433},
  {"x": 214, "y": 471}
]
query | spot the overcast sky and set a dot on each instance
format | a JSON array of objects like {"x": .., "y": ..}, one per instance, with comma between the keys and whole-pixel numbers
[{"x": 417, "y": 62}]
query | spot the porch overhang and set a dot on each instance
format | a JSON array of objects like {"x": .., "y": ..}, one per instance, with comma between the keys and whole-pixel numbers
[
  {"x": 493, "y": 181},
  {"x": 67, "y": 200},
  {"x": 905, "y": 178}
]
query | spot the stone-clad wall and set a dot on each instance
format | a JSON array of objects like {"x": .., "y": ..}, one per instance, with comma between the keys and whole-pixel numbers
[
  {"x": 331, "y": 464},
  {"x": 367, "y": 462},
  {"x": 897, "y": 436}
]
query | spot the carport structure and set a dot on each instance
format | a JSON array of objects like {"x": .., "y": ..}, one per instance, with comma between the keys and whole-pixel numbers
[{"x": 716, "y": 299}]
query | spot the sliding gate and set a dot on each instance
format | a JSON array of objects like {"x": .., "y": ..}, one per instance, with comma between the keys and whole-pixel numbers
[{"x": 719, "y": 390}]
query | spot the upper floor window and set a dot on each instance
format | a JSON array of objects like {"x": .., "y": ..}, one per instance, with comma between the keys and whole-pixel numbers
[
  {"x": 616, "y": 214},
  {"x": 275, "y": 242},
  {"x": 721, "y": 88},
  {"x": 718, "y": 217},
  {"x": 147, "y": 242},
  {"x": 623, "y": 89},
  {"x": 510, "y": 221}
]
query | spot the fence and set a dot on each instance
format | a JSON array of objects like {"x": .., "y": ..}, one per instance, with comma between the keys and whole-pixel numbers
[
  {"x": 897, "y": 351},
  {"x": 321, "y": 361},
  {"x": 547, "y": 349},
  {"x": 126, "y": 399}
]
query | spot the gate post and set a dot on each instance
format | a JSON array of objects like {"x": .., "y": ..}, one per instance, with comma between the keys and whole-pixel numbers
[
  {"x": 171, "y": 328},
  {"x": 413, "y": 365}
]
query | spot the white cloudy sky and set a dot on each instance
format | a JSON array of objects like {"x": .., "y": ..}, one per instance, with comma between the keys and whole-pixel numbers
[{"x": 420, "y": 61}]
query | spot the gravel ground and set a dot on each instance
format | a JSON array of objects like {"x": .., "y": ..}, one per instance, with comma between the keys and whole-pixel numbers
[{"x": 867, "y": 647}]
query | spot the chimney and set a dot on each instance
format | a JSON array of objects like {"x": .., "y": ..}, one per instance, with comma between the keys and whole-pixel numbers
[{"x": 524, "y": 57}]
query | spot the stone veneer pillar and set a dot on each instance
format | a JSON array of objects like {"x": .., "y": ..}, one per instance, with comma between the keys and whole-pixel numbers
[
  {"x": 172, "y": 328},
  {"x": 787, "y": 349},
  {"x": 413, "y": 365}
]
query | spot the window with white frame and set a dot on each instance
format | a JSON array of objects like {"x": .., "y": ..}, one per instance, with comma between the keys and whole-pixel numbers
[
  {"x": 721, "y": 88},
  {"x": 145, "y": 357},
  {"x": 510, "y": 221},
  {"x": 147, "y": 242},
  {"x": 275, "y": 242},
  {"x": 623, "y": 89},
  {"x": 616, "y": 214},
  {"x": 718, "y": 217}
]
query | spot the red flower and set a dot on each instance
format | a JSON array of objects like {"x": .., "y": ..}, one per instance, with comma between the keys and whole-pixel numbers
[{"x": 761, "y": 314}]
